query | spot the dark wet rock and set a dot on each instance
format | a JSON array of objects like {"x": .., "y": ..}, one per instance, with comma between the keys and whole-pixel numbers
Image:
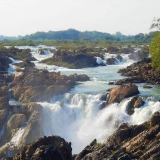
[
  {"x": 104, "y": 96},
  {"x": 25, "y": 64},
  {"x": 126, "y": 50},
  {"x": 137, "y": 56},
  {"x": 4, "y": 64},
  {"x": 46, "y": 148},
  {"x": 72, "y": 59},
  {"x": 114, "y": 60},
  {"x": 121, "y": 92},
  {"x": 135, "y": 102},
  {"x": 4, "y": 105},
  {"x": 111, "y": 61}
]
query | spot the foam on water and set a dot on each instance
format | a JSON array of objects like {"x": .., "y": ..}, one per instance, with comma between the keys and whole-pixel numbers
[
  {"x": 144, "y": 113},
  {"x": 15, "y": 139},
  {"x": 78, "y": 119},
  {"x": 12, "y": 67}
]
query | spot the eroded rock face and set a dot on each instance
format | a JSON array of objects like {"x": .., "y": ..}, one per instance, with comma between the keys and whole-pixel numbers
[
  {"x": 121, "y": 92},
  {"x": 127, "y": 142},
  {"x": 72, "y": 59},
  {"x": 46, "y": 148},
  {"x": 30, "y": 113},
  {"x": 138, "y": 55},
  {"x": 114, "y": 60},
  {"x": 4, "y": 64},
  {"x": 140, "y": 72},
  {"x": 4, "y": 105},
  {"x": 135, "y": 102},
  {"x": 40, "y": 85}
]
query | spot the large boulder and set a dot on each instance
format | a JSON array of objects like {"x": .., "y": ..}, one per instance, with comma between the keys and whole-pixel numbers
[
  {"x": 4, "y": 64},
  {"x": 46, "y": 148},
  {"x": 111, "y": 61},
  {"x": 135, "y": 102},
  {"x": 121, "y": 92}
]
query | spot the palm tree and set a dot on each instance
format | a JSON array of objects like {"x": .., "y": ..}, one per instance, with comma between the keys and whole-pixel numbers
[{"x": 155, "y": 23}]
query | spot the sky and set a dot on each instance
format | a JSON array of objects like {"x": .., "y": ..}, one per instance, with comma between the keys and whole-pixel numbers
[{"x": 130, "y": 17}]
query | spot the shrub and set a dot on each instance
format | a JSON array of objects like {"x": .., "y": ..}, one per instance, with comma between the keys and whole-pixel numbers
[{"x": 154, "y": 51}]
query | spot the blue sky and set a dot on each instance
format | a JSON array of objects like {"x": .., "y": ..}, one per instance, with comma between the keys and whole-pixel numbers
[{"x": 21, "y": 17}]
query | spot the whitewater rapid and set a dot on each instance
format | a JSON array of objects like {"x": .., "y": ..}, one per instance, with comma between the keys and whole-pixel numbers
[{"x": 76, "y": 116}]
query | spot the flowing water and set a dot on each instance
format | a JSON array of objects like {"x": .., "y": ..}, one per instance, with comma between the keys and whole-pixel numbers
[{"x": 77, "y": 117}]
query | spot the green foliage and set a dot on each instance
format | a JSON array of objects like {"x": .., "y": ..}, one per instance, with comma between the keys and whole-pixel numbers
[
  {"x": 97, "y": 144},
  {"x": 154, "y": 51},
  {"x": 60, "y": 63}
]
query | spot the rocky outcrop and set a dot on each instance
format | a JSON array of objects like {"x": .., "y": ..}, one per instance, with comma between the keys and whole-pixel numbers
[
  {"x": 119, "y": 93},
  {"x": 137, "y": 56},
  {"x": 30, "y": 113},
  {"x": 4, "y": 105},
  {"x": 114, "y": 60},
  {"x": 140, "y": 72},
  {"x": 127, "y": 142},
  {"x": 72, "y": 59},
  {"x": 25, "y": 63},
  {"x": 135, "y": 102},
  {"x": 40, "y": 85},
  {"x": 33, "y": 129},
  {"x": 49, "y": 148},
  {"x": 4, "y": 64},
  {"x": 20, "y": 54}
]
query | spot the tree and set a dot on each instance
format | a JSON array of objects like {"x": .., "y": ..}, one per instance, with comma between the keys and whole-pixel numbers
[
  {"x": 155, "y": 24},
  {"x": 154, "y": 50}
]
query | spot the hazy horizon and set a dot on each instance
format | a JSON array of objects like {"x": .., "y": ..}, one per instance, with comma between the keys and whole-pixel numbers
[{"x": 130, "y": 17}]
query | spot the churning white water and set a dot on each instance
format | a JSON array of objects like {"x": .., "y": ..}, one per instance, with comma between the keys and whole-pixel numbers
[{"x": 77, "y": 117}]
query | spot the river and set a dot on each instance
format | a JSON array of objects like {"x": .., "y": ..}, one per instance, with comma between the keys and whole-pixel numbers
[{"x": 76, "y": 116}]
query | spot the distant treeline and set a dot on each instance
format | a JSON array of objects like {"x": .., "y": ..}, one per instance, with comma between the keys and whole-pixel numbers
[{"x": 72, "y": 34}]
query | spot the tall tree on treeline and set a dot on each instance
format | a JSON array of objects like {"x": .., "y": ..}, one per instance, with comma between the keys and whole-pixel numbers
[
  {"x": 154, "y": 48},
  {"x": 155, "y": 24}
]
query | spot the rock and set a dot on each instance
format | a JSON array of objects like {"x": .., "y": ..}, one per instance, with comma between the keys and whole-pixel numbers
[
  {"x": 4, "y": 91},
  {"x": 127, "y": 142},
  {"x": 155, "y": 119},
  {"x": 46, "y": 148},
  {"x": 135, "y": 102},
  {"x": 137, "y": 56},
  {"x": 4, "y": 64},
  {"x": 121, "y": 92},
  {"x": 28, "y": 109},
  {"x": 15, "y": 122},
  {"x": 72, "y": 60},
  {"x": 39, "y": 85},
  {"x": 120, "y": 58},
  {"x": 146, "y": 86},
  {"x": 104, "y": 97},
  {"x": 140, "y": 72},
  {"x": 3, "y": 117},
  {"x": 111, "y": 61},
  {"x": 25, "y": 64},
  {"x": 33, "y": 130}
]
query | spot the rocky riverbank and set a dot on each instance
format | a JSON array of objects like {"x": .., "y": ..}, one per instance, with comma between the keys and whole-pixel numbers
[
  {"x": 73, "y": 59},
  {"x": 140, "y": 72},
  {"x": 127, "y": 142}
]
